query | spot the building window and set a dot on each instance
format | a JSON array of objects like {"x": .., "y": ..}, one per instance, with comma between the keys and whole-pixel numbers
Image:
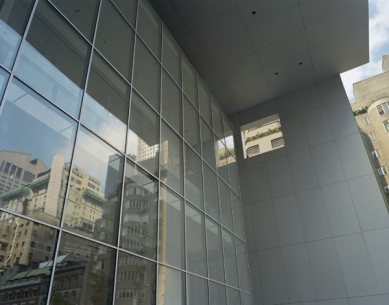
[
  {"x": 383, "y": 108},
  {"x": 386, "y": 189},
  {"x": 372, "y": 136},
  {"x": 366, "y": 120},
  {"x": 376, "y": 154},
  {"x": 382, "y": 171},
  {"x": 253, "y": 150},
  {"x": 386, "y": 125},
  {"x": 277, "y": 142}
]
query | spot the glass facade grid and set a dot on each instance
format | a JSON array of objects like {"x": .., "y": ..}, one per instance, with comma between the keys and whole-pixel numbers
[{"x": 99, "y": 239}]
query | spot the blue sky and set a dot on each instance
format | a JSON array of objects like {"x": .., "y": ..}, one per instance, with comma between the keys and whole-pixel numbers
[{"x": 379, "y": 45}]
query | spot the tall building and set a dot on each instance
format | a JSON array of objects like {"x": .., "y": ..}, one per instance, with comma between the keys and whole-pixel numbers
[
  {"x": 371, "y": 110},
  {"x": 129, "y": 117}
]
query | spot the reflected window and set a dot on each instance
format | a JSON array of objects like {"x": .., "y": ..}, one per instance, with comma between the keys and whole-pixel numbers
[
  {"x": 228, "y": 136},
  {"x": 241, "y": 255},
  {"x": 217, "y": 119},
  {"x": 171, "y": 286},
  {"x": 147, "y": 75},
  {"x": 25, "y": 266},
  {"x": 233, "y": 174},
  {"x": 237, "y": 215},
  {"x": 230, "y": 263},
  {"x": 246, "y": 298},
  {"x": 4, "y": 75},
  {"x": 143, "y": 135},
  {"x": 54, "y": 59},
  {"x": 171, "y": 229},
  {"x": 193, "y": 178},
  {"x": 171, "y": 103},
  {"x": 192, "y": 125},
  {"x": 149, "y": 27},
  {"x": 233, "y": 296},
  {"x": 225, "y": 205},
  {"x": 81, "y": 13},
  {"x": 88, "y": 267},
  {"x": 208, "y": 145},
  {"x": 205, "y": 103},
  {"x": 139, "y": 212},
  {"x": 195, "y": 241},
  {"x": 171, "y": 57},
  {"x": 222, "y": 161},
  {"x": 189, "y": 78},
  {"x": 135, "y": 280},
  {"x": 171, "y": 170},
  {"x": 210, "y": 193},
  {"x": 13, "y": 20},
  {"x": 115, "y": 39},
  {"x": 105, "y": 109},
  {"x": 197, "y": 290},
  {"x": 95, "y": 189},
  {"x": 36, "y": 147},
  {"x": 215, "y": 251},
  {"x": 217, "y": 294}
]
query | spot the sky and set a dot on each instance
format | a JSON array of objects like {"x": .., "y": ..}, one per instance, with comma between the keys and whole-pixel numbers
[{"x": 379, "y": 45}]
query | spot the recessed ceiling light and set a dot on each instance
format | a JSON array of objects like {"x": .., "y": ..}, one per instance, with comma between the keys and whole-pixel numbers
[
  {"x": 77, "y": 10},
  {"x": 300, "y": 63},
  {"x": 253, "y": 12},
  {"x": 276, "y": 73}
]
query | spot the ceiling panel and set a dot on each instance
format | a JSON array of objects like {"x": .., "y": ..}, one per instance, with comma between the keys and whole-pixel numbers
[
  {"x": 211, "y": 82},
  {"x": 201, "y": 65},
  {"x": 188, "y": 45},
  {"x": 174, "y": 23},
  {"x": 246, "y": 86},
  {"x": 292, "y": 84}
]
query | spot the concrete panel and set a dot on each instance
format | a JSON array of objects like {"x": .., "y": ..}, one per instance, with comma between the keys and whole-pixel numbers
[
  {"x": 317, "y": 127},
  {"x": 255, "y": 278},
  {"x": 309, "y": 98},
  {"x": 294, "y": 134},
  {"x": 303, "y": 171},
  {"x": 279, "y": 177}
]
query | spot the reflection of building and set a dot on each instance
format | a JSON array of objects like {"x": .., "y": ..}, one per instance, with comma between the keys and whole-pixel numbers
[
  {"x": 371, "y": 110},
  {"x": 145, "y": 151}
]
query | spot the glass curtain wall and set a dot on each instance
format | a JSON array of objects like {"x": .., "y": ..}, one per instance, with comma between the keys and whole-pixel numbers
[{"x": 118, "y": 179}]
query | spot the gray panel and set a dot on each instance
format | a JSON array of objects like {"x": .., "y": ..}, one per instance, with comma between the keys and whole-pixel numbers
[
  {"x": 340, "y": 209},
  {"x": 272, "y": 277},
  {"x": 303, "y": 171},
  {"x": 288, "y": 105},
  {"x": 247, "y": 116},
  {"x": 327, "y": 163},
  {"x": 298, "y": 273},
  {"x": 332, "y": 90},
  {"x": 353, "y": 156},
  {"x": 294, "y": 134},
  {"x": 355, "y": 264},
  {"x": 371, "y": 300},
  {"x": 313, "y": 215},
  {"x": 335, "y": 302},
  {"x": 288, "y": 220},
  {"x": 243, "y": 186},
  {"x": 341, "y": 119},
  {"x": 326, "y": 270},
  {"x": 377, "y": 243},
  {"x": 317, "y": 127},
  {"x": 264, "y": 223},
  {"x": 255, "y": 278},
  {"x": 279, "y": 177},
  {"x": 309, "y": 98},
  {"x": 258, "y": 182},
  {"x": 369, "y": 204},
  {"x": 267, "y": 109},
  {"x": 249, "y": 229}
]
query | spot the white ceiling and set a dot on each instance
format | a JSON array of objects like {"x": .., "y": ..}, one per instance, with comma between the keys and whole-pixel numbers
[{"x": 237, "y": 53}]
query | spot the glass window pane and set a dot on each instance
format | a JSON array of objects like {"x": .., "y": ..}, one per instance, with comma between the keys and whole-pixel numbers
[
  {"x": 189, "y": 78},
  {"x": 95, "y": 189},
  {"x": 81, "y": 13},
  {"x": 143, "y": 134},
  {"x": 171, "y": 286},
  {"x": 230, "y": 263},
  {"x": 233, "y": 174},
  {"x": 138, "y": 232},
  {"x": 4, "y": 75},
  {"x": 147, "y": 75},
  {"x": 105, "y": 109},
  {"x": 205, "y": 103},
  {"x": 171, "y": 229},
  {"x": 13, "y": 19},
  {"x": 197, "y": 290},
  {"x": 241, "y": 254},
  {"x": 217, "y": 119},
  {"x": 222, "y": 161},
  {"x": 149, "y": 27},
  {"x": 210, "y": 193},
  {"x": 215, "y": 251},
  {"x": 192, "y": 125},
  {"x": 135, "y": 280},
  {"x": 228, "y": 136},
  {"x": 171, "y": 57},
  {"x": 171, "y": 103},
  {"x": 195, "y": 241},
  {"x": 128, "y": 9},
  {"x": 225, "y": 205},
  {"x": 37, "y": 140},
  {"x": 87, "y": 266},
  {"x": 246, "y": 298},
  {"x": 233, "y": 296},
  {"x": 171, "y": 171},
  {"x": 208, "y": 144},
  {"x": 54, "y": 59},
  {"x": 217, "y": 294},
  {"x": 237, "y": 215},
  {"x": 193, "y": 178},
  {"x": 115, "y": 39}
]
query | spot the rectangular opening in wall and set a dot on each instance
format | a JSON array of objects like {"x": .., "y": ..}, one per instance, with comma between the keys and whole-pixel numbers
[{"x": 262, "y": 136}]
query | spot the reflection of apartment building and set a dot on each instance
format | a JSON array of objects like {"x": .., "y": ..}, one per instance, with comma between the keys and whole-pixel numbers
[
  {"x": 145, "y": 151},
  {"x": 371, "y": 110}
]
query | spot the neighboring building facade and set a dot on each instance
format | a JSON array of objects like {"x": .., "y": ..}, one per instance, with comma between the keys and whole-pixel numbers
[{"x": 371, "y": 110}]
